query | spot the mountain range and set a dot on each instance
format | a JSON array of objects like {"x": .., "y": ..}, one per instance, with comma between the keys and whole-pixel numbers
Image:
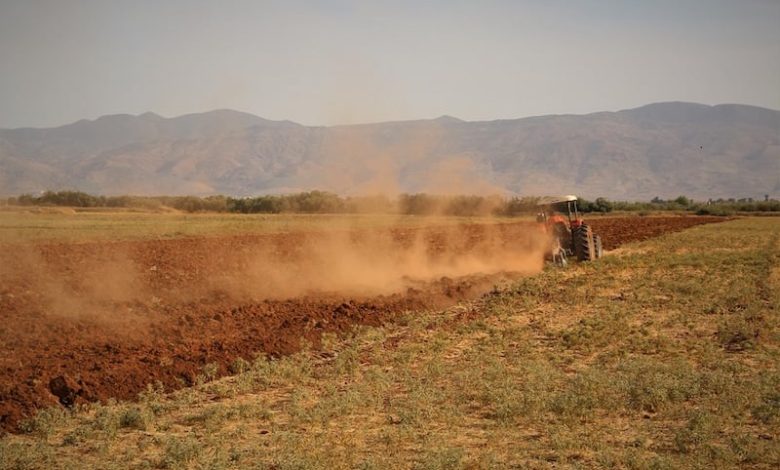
[{"x": 661, "y": 149}]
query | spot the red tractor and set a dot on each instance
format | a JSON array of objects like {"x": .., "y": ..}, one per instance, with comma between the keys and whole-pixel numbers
[{"x": 571, "y": 236}]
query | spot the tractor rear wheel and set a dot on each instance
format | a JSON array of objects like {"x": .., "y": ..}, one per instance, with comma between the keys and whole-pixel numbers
[{"x": 584, "y": 244}]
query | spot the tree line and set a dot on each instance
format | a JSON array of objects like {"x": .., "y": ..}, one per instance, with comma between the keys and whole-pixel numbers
[{"x": 323, "y": 202}]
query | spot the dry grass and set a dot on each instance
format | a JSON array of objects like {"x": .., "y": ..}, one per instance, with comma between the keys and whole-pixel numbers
[
  {"x": 20, "y": 224},
  {"x": 664, "y": 356}
]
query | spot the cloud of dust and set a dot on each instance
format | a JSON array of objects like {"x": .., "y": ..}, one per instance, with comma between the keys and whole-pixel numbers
[
  {"x": 396, "y": 158},
  {"x": 120, "y": 287},
  {"x": 377, "y": 262},
  {"x": 377, "y": 164},
  {"x": 72, "y": 283}
]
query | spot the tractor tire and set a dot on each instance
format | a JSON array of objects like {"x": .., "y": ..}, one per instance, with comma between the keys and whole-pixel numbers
[
  {"x": 584, "y": 244},
  {"x": 599, "y": 249}
]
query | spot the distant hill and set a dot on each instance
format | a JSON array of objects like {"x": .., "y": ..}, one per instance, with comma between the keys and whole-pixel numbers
[{"x": 662, "y": 149}]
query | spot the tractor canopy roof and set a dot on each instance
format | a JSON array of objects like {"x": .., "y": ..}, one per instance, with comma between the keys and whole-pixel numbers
[{"x": 550, "y": 200}]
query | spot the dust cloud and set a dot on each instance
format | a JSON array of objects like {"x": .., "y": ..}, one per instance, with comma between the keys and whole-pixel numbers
[
  {"x": 377, "y": 262},
  {"x": 397, "y": 158},
  {"x": 118, "y": 283},
  {"x": 86, "y": 282},
  {"x": 378, "y": 164}
]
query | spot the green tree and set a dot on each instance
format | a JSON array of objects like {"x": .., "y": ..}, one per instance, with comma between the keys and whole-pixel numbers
[{"x": 683, "y": 201}]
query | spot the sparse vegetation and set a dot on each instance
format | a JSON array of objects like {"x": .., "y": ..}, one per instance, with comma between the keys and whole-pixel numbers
[
  {"x": 664, "y": 355},
  {"x": 323, "y": 202}
]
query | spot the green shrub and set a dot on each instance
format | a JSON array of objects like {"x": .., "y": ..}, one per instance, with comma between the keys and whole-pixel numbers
[
  {"x": 134, "y": 418},
  {"x": 239, "y": 366},
  {"x": 180, "y": 452},
  {"x": 714, "y": 210},
  {"x": 737, "y": 334}
]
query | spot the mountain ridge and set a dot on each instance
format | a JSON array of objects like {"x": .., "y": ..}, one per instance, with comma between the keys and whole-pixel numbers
[
  {"x": 446, "y": 117},
  {"x": 660, "y": 149}
]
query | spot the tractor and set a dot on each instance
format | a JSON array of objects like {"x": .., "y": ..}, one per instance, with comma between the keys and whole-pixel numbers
[{"x": 571, "y": 236}]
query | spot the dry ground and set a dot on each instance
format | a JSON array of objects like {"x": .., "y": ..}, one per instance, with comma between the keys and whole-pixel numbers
[
  {"x": 663, "y": 355},
  {"x": 99, "y": 319}
]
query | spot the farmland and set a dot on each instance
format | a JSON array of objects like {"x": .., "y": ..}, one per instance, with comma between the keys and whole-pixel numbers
[{"x": 660, "y": 355}]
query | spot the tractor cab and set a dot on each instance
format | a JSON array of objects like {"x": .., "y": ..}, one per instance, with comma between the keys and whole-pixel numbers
[
  {"x": 570, "y": 235},
  {"x": 559, "y": 209}
]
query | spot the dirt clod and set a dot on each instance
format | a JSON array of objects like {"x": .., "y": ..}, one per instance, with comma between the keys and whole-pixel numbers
[{"x": 65, "y": 389}]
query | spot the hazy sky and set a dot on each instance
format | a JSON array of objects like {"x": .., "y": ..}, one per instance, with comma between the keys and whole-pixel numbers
[{"x": 331, "y": 62}]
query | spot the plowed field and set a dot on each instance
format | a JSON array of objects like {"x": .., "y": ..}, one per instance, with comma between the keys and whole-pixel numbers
[
  {"x": 90, "y": 321},
  {"x": 616, "y": 231}
]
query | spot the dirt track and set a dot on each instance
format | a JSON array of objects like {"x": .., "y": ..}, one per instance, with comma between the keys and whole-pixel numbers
[{"x": 89, "y": 321}]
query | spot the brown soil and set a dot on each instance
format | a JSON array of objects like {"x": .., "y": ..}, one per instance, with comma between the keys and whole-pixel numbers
[
  {"x": 90, "y": 321},
  {"x": 616, "y": 231}
]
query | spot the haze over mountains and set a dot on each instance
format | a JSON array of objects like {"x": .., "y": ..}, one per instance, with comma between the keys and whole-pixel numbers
[{"x": 662, "y": 149}]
